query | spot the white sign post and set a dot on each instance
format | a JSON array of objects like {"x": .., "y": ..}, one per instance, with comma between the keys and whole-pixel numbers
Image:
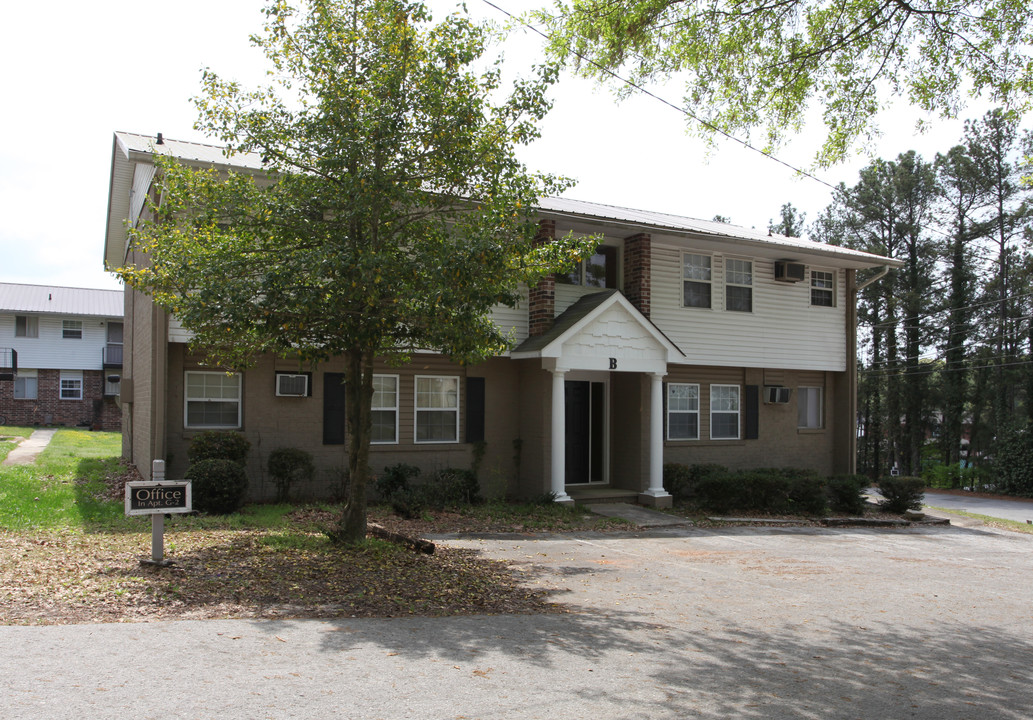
[{"x": 156, "y": 498}]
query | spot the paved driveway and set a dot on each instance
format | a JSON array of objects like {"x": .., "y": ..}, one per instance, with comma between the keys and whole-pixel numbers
[
  {"x": 1020, "y": 510},
  {"x": 931, "y": 623}
]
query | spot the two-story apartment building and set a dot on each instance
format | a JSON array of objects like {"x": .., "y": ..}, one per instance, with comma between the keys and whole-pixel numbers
[
  {"x": 67, "y": 343},
  {"x": 680, "y": 340}
]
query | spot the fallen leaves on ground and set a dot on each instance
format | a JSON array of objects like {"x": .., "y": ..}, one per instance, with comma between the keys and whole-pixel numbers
[{"x": 66, "y": 576}]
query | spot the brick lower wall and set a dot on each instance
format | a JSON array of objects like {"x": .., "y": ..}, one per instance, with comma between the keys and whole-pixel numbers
[{"x": 94, "y": 410}]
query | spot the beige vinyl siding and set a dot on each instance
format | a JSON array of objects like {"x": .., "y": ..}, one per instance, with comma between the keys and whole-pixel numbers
[
  {"x": 783, "y": 331},
  {"x": 513, "y": 319}
]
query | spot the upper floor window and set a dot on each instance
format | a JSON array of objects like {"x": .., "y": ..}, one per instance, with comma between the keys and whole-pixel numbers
[
  {"x": 724, "y": 412},
  {"x": 682, "y": 411},
  {"x": 211, "y": 400},
  {"x": 598, "y": 270},
  {"x": 26, "y": 326},
  {"x": 437, "y": 409},
  {"x": 822, "y": 288},
  {"x": 696, "y": 275},
  {"x": 739, "y": 285},
  {"x": 71, "y": 329},
  {"x": 385, "y": 409}
]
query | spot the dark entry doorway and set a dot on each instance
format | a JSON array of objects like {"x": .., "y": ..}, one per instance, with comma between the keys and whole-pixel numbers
[{"x": 585, "y": 425}]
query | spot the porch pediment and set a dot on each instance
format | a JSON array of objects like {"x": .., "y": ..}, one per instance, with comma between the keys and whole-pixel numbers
[{"x": 601, "y": 331}]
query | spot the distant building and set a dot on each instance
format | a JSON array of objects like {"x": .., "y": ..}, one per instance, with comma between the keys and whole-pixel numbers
[{"x": 67, "y": 345}]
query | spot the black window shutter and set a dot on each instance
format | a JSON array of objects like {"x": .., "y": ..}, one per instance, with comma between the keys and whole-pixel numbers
[
  {"x": 752, "y": 412},
  {"x": 333, "y": 408},
  {"x": 474, "y": 409}
]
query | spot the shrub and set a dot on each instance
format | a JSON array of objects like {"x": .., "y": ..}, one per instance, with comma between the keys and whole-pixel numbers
[
  {"x": 219, "y": 445},
  {"x": 217, "y": 485},
  {"x": 287, "y": 465},
  {"x": 1013, "y": 462},
  {"x": 902, "y": 493},
  {"x": 395, "y": 479},
  {"x": 772, "y": 490},
  {"x": 677, "y": 481},
  {"x": 454, "y": 487},
  {"x": 846, "y": 493}
]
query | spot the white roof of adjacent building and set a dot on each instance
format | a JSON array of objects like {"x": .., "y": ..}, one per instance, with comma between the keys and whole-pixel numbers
[{"x": 51, "y": 299}]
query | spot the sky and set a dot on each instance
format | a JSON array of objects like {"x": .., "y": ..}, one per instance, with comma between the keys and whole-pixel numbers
[{"x": 74, "y": 73}]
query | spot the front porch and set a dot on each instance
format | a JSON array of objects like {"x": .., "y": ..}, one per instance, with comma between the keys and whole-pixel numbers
[{"x": 594, "y": 494}]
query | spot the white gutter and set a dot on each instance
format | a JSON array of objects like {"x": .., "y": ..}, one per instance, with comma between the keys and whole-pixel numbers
[{"x": 882, "y": 273}]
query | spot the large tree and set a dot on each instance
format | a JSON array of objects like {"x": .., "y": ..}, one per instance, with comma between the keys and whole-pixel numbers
[
  {"x": 752, "y": 64},
  {"x": 395, "y": 214}
]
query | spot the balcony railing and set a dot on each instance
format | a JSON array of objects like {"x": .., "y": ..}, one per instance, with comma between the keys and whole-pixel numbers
[{"x": 112, "y": 355}]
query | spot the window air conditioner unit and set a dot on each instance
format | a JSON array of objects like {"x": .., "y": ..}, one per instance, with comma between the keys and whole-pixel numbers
[
  {"x": 291, "y": 385},
  {"x": 776, "y": 394},
  {"x": 786, "y": 271}
]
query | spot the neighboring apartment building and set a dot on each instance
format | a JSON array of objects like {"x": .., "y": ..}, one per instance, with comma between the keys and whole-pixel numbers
[
  {"x": 68, "y": 345},
  {"x": 680, "y": 340}
]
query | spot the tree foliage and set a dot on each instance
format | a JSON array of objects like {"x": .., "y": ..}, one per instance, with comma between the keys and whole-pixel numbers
[
  {"x": 394, "y": 214},
  {"x": 755, "y": 64},
  {"x": 949, "y": 336}
]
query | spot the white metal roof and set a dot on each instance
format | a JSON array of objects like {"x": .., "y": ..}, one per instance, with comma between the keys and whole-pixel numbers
[
  {"x": 677, "y": 224},
  {"x": 50, "y": 299},
  {"x": 131, "y": 148}
]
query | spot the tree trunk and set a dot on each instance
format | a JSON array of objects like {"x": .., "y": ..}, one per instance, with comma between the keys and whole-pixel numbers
[{"x": 351, "y": 529}]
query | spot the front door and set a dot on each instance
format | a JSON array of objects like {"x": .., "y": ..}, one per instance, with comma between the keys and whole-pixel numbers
[{"x": 585, "y": 431}]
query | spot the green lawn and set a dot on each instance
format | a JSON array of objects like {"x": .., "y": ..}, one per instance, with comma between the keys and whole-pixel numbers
[{"x": 65, "y": 486}]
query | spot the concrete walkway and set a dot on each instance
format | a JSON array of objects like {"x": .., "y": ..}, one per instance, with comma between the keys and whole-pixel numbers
[{"x": 30, "y": 448}]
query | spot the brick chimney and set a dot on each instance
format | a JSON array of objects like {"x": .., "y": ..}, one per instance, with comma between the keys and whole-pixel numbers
[
  {"x": 637, "y": 271},
  {"x": 542, "y": 297}
]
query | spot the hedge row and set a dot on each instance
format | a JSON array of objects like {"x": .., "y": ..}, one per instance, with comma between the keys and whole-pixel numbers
[{"x": 790, "y": 491}]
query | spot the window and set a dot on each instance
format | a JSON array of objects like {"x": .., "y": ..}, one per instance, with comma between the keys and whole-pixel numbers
[
  {"x": 822, "y": 288},
  {"x": 385, "y": 409},
  {"x": 696, "y": 277},
  {"x": 599, "y": 270},
  {"x": 26, "y": 385},
  {"x": 26, "y": 326},
  {"x": 738, "y": 285},
  {"x": 682, "y": 411},
  {"x": 809, "y": 411},
  {"x": 211, "y": 400},
  {"x": 724, "y": 412},
  {"x": 437, "y": 409},
  {"x": 71, "y": 329},
  {"x": 71, "y": 385}
]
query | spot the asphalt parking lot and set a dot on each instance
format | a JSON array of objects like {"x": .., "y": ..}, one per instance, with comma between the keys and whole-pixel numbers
[{"x": 933, "y": 622}]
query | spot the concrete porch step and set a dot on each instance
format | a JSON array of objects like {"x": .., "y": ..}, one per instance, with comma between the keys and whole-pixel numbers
[{"x": 599, "y": 495}]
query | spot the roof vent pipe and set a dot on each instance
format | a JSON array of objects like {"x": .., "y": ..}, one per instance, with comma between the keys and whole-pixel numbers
[{"x": 160, "y": 140}]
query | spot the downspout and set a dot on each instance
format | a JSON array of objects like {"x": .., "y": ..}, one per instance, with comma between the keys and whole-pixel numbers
[{"x": 882, "y": 273}]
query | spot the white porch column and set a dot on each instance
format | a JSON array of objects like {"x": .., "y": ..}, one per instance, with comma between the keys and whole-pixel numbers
[
  {"x": 656, "y": 438},
  {"x": 559, "y": 438}
]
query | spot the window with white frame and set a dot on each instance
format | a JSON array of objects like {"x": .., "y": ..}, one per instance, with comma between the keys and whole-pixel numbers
[
  {"x": 71, "y": 329},
  {"x": 823, "y": 288},
  {"x": 682, "y": 411},
  {"x": 437, "y": 409},
  {"x": 211, "y": 400},
  {"x": 739, "y": 285},
  {"x": 71, "y": 385},
  {"x": 385, "y": 409},
  {"x": 809, "y": 410},
  {"x": 724, "y": 412},
  {"x": 26, "y": 385},
  {"x": 597, "y": 270},
  {"x": 696, "y": 278},
  {"x": 26, "y": 326}
]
